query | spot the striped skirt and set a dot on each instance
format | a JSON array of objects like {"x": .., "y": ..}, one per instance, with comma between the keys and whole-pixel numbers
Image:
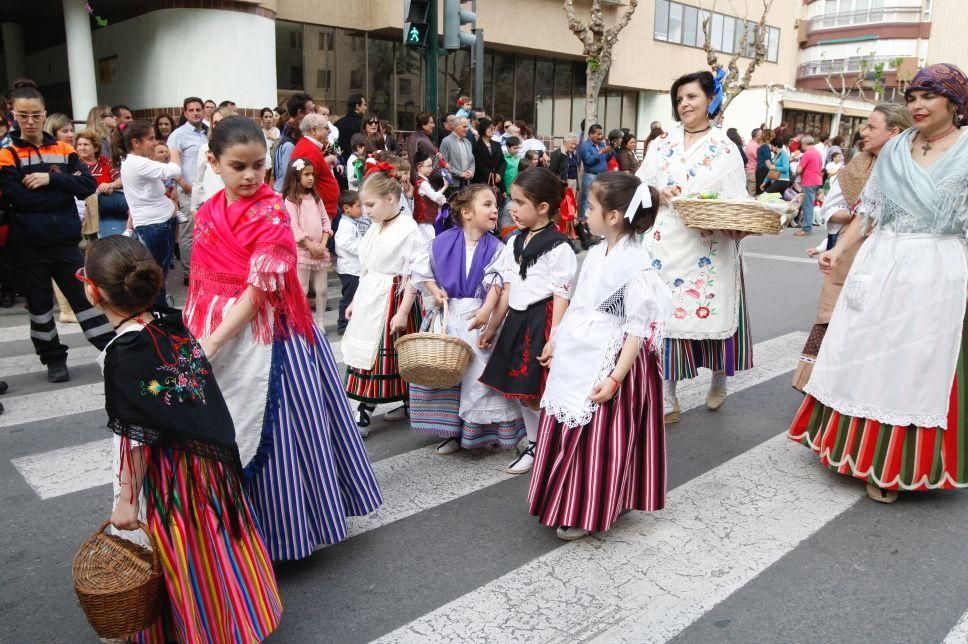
[
  {"x": 584, "y": 477},
  {"x": 891, "y": 456},
  {"x": 683, "y": 358},
  {"x": 383, "y": 383},
  {"x": 315, "y": 470},
  {"x": 220, "y": 586},
  {"x": 437, "y": 412}
]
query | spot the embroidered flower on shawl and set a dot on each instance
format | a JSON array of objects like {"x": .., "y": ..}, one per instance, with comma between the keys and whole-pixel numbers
[
  {"x": 702, "y": 312},
  {"x": 704, "y": 261},
  {"x": 680, "y": 313},
  {"x": 657, "y": 236},
  {"x": 656, "y": 264},
  {"x": 678, "y": 282},
  {"x": 184, "y": 379},
  {"x": 205, "y": 232}
]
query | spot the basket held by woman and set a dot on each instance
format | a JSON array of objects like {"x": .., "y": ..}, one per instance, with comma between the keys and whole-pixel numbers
[{"x": 709, "y": 213}]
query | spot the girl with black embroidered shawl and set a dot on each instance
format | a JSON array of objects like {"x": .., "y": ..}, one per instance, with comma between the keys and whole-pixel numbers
[
  {"x": 538, "y": 266},
  {"x": 177, "y": 446}
]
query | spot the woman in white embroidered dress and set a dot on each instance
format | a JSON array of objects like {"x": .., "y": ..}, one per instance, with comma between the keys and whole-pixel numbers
[
  {"x": 887, "y": 394},
  {"x": 601, "y": 443},
  {"x": 709, "y": 326}
]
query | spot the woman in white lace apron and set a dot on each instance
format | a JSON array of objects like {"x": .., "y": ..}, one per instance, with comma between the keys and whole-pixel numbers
[
  {"x": 601, "y": 442},
  {"x": 709, "y": 326},
  {"x": 885, "y": 397}
]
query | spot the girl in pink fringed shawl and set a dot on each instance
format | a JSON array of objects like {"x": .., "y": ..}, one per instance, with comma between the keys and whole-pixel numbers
[{"x": 305, "y": 466}]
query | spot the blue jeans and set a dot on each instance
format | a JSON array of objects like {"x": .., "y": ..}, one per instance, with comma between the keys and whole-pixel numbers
[
  {"x": 586, "y": 182},
  {"x": 809, "y": 196},
  {"x": 159, "y": 239}
]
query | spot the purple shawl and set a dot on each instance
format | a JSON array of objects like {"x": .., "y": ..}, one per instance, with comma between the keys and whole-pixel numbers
[{"x": 447, "y": 258}]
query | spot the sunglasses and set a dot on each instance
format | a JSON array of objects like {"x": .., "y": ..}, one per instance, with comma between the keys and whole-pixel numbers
[{"x": 81, "y": 276}]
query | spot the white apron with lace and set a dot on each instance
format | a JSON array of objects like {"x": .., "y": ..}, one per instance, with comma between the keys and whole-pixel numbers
[
  {"x": 891, "y": 349},
  {"x": 701, "y": 269},
  {"x": 618, "y": 295}
]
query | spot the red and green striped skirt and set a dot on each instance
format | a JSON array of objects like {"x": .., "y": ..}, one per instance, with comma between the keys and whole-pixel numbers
[
  {"x": 682, "y": 358},
  {"x": 219, "y": 580},
  {"x": 382, "y": 383},
  {"x": 893, "y": 457}
]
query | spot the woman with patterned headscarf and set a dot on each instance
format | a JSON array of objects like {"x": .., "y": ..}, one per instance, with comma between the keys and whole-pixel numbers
[{"x": 886, "y": 395}]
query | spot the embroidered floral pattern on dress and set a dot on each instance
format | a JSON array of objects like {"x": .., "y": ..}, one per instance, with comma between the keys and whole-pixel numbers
[
  {"x": 183, "y": 380},
  {"x": 205, "y": 233},
  {"x": 694, "y": 297}
]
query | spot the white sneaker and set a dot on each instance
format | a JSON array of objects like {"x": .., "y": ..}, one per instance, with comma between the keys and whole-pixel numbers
[
  {"x": 449, "y": 446},
  {"x": 523, "y": 464},
  {"x": 400, "y": 413},
  {"x": 571, "y": 534}
]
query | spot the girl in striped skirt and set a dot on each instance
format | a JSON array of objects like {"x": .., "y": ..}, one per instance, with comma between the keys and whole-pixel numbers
[
  {"x": 176, "y": 444},
  {"x": 305, "y": 464},
  {"x": 384, "y": 304},
  {"x": 601, "y": 444}
]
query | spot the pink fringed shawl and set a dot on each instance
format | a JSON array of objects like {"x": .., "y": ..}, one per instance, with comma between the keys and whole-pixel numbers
[{"x": 248, "y": 243}]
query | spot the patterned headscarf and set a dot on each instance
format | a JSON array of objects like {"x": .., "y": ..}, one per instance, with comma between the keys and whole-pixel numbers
[{"x": 947, "y": 80}]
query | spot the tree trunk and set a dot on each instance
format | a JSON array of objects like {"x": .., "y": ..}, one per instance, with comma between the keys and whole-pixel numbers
[
  {"x": 835, "y": 123},
  {"x": 594, "y": 79}
]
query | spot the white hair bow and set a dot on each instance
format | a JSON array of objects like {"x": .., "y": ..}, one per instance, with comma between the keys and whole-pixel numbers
[
  {"x": 299, "y": 164},
  {"x": 641, "y": 199}
]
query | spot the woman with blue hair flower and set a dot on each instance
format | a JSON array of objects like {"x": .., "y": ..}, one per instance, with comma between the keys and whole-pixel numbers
[{"x": 709, "y": 325}]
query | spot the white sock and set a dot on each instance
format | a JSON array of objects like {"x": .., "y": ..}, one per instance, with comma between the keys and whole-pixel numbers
[
  {"x": 718, "y": 381},
  {"x": 531, "y": 421},
  {"x": 670, "y": 392}
]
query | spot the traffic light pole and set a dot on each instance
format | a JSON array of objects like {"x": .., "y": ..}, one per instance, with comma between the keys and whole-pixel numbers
[{"x": 431, "y": 62}]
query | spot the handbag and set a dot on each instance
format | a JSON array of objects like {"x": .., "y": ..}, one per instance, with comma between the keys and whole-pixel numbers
[
  {"x": 492, "y": 182},
  {"x": 774, "y": 175}
]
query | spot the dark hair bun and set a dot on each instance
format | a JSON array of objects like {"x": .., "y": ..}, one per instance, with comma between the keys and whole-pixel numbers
[{"x": 126, "y": 272}]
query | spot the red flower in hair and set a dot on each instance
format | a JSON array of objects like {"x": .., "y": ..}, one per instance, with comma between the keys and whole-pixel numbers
[{"x": 381, "y": 166}]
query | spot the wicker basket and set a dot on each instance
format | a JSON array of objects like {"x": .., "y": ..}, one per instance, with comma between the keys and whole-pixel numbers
[
  {"x": 745, "y": 215},
  {"x": 118, "y": 583},
  {"x": 434, "y": 360}
]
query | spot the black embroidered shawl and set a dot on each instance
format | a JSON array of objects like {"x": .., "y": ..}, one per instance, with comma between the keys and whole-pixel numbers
[{"x": 541, "y": 244}]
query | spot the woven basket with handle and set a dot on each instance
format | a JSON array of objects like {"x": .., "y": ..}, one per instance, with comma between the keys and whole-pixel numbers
[
  {"x": 434, "y": 360},
  {"x": 745, "y": 215},
  {"x": 118, "y": 583}
]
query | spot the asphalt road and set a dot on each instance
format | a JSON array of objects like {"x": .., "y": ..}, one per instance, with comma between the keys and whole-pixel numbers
[{"x": 757, "y": 543}]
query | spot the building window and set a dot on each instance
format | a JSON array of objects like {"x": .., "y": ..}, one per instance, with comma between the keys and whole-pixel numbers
[
  {"x": 324, "y": 79},
  {"x": 682, "y": 24},
  {"x": 325, "y": 41}
]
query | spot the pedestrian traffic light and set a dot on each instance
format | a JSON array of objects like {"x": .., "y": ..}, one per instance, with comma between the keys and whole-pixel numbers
[
  {"x": 454, "y": 19},
  {"x": 416, "y": 22}
]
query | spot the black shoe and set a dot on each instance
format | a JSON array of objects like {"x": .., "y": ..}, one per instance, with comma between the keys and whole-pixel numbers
[
  {"x": 1, "y": 408},
  {"x": 58, "y": 372},
  {"x": 582, "y": 235},
  {"x": 6, "y": 300},
  {"x": 185, "y": 280},
  {"x": 3, "y": 386}
]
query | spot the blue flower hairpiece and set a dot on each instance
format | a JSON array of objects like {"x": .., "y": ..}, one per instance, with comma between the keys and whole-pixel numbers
[{"x": 719, "y": 91}]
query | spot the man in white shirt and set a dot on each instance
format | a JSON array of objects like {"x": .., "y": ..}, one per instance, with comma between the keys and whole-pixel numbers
[
  {"x": 184, "y": 143},
  {"x": 152, "y": 212}
]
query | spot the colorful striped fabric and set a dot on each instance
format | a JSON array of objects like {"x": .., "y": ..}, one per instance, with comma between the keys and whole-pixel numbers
[
  {"x": 436, "y": 412},
  {"x": 383, "y": 383},
  {"x": 220, "y": 588},
  {"x": 317, "y": 472},
  {"x": 683, "y": 358},
  {"x": 584, "y": 477},
  {"x": 891, "y": 456}
]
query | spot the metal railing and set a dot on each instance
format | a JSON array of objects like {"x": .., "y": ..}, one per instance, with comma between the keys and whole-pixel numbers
[
  {"x": 836, "y": 65},
  {"x": 887, "y": 15}
]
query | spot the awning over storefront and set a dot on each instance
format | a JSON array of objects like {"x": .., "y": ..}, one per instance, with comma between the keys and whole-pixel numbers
[{"x": 824, "y": 108}]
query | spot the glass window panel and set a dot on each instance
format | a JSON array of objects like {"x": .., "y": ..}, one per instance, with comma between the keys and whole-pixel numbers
[
  {"x": 544, "y": 86},
  {"x": 289, "y": 57},
  {"x": 773, "y": 46},
  {"x": 675, "y": 22},
  {"x": 630, "y": 111},
  {"x": 350, "y": 65},
  {"x": 717, "y": 31},
  {"x": 613, "y": 110},
  {"x": 504, "y": 85},
  {"x": 380, "y": 68},
  {"x": 409, "y": 87},
  {"x": 321, "y": 76},
  {"x": 729, "y": 25},
  {"x": 524, "y": 89},
  {"x": 463, "y": 83},
  {"x": 563, "y": 122},
  {"x": 661, "y": 31},
  {"x": 489, "y": 83},
  {"x": 691, "y": 31},
  {"x": 578, "y": 97}
]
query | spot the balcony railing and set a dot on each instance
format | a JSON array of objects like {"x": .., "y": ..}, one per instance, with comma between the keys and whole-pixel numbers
[
  {"x": 888, "y": 15},
  {"x": 835, "y": 66}
]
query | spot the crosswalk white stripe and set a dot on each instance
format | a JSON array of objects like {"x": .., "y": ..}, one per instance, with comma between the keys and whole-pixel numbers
[
  {"x": 958, "y": 634},
  {"x": 71, "y": 469},
  {"x": 781, "y": 258},
  {"x": 55, "y": 403},
  {"x": 30, "y": 363},
  {"x": 654, "y": 574}
]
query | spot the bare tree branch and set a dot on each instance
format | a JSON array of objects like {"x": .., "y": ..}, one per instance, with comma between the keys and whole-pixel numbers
[{"x": 734, "y": 83}]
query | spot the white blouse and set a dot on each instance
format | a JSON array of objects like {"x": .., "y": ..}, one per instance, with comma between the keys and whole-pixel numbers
[{"x": 552, "y": 274}]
